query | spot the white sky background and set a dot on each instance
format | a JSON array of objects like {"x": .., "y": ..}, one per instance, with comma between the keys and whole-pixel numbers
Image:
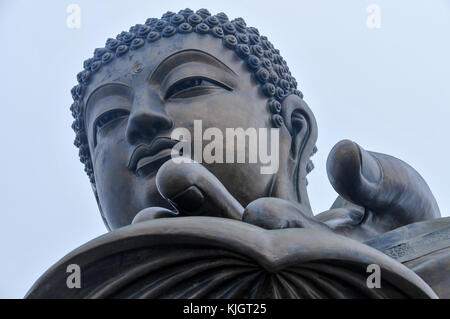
[{"x": 387, "y": 89}]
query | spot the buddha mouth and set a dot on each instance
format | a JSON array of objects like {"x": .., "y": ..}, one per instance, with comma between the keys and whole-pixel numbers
[{"x": 146, "y": 159}]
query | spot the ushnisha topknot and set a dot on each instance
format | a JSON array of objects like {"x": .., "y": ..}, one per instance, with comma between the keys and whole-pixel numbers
[{"x": 262, "y": 59}]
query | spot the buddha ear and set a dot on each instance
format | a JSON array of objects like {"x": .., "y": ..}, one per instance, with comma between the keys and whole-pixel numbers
[{"x": 302, "y": 126}]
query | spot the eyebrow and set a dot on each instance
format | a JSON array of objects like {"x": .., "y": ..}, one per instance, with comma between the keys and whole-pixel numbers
[
  {"x": 105, "y": 90},
  {"x": 184, "y": 57},
  {"x": 109, "y": 89}
]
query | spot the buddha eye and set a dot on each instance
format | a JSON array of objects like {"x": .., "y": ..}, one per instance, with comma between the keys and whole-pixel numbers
[
  {"x": 194, "y": 86},
  {"x": 107, "y": 118}
]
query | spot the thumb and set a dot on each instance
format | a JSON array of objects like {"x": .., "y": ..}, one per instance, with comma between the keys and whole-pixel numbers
[{"x": 380, "y": 183}]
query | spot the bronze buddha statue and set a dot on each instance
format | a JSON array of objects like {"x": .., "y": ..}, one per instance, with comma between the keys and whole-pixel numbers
[{"x": 194, "y": 66}]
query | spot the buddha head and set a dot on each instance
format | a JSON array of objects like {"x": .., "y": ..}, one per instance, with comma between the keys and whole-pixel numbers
[{"x": 167, "y": 74}]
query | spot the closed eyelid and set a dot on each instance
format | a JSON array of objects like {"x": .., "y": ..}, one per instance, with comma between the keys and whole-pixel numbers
[
  {"x": 188, "y": 63},
  {"x": 168, "y": 92},
  {"x": 103, "y": 99},
  {"x": 193, "y": 70},
  {"x": 105, "y": 118}
]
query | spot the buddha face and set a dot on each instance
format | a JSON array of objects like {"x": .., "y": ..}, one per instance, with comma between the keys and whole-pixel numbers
[{"x": 136, "y": 101}]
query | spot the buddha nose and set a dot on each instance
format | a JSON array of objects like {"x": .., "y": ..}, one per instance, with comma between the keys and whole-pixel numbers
[{"x": 145, "y": 122}]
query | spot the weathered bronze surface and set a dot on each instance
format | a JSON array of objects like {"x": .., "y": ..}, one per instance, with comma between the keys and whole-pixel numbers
[{"x": 261, "y": 238}]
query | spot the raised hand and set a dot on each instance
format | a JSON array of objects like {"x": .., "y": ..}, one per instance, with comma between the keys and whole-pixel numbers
[
  {"x": 391, "y": 192},
  {"x": 378, "y": 193},
  {"x": 193, "y": 191}
]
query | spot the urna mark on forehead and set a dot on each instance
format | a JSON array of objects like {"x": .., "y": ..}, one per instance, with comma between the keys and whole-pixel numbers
[{"x": 260, "y": 56}]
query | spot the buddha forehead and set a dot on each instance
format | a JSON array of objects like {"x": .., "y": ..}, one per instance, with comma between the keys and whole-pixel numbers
[{"x": 153, "y": 63}]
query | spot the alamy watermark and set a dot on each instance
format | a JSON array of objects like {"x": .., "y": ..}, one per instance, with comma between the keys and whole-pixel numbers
[
  {"x": 73, "y": 20},
  {"x": 74, "y": 279},
  {"x": 374, "y": 279},
  {"x": 262, "y": 146},
  {"x": 374, "y": 18}
]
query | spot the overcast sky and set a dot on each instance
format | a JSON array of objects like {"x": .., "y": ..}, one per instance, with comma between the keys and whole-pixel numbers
[{"x": 386, "y": 88}]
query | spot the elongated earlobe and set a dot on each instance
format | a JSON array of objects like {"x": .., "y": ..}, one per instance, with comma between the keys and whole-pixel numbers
[
  {"x": 302, "y": 126},
  {"x": 295, "y": 162}
]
